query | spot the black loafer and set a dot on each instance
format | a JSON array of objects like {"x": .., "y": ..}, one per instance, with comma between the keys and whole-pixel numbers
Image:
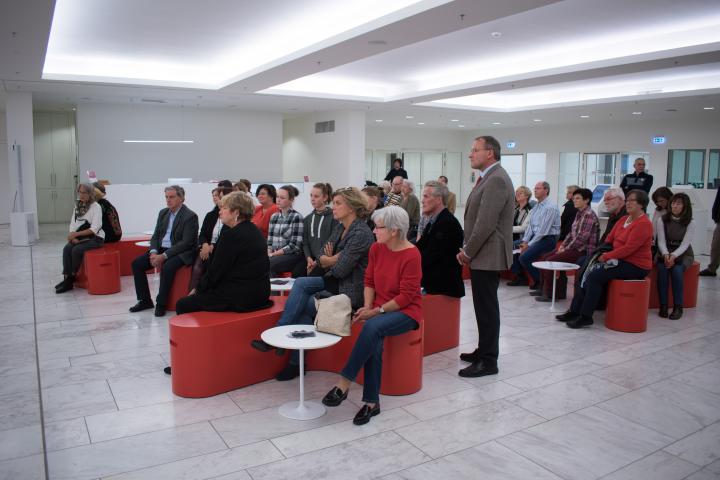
[
  {"x": 567, "y": 316},
  {"x": 261, "y": 346},
  {"x": 141, "y": 305},
  {"x": 335, "y": 397},
  {"x": 167, "y": 370},
  {"x": 478, "y": 369},
  {"x": 366, "y": 413},
  {"x": 517, "y": 283},
  {"x": 159, "y": 311},
  {"x": 64, "y": 288},
  {"x": 582, "y": 321},
  {"x": 469, "y": 357}
]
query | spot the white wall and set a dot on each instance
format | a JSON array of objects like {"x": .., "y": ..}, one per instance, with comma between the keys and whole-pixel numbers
[
  {"x": 336, "y": 157},
  {"x": 5, "y": 193},
  {"x": 228, "y": 144},
  {"x": 378, "y": 138}
]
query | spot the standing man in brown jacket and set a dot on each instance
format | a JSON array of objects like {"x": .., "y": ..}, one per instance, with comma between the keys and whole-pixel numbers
[{"x": 487, "y": 249}]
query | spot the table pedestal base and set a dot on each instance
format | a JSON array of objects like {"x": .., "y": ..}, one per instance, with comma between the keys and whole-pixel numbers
[{"x": 306, "y": 410}]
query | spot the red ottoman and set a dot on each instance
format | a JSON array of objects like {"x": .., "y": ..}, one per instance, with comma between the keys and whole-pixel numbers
[
  {"x": 100, "y": 272},
  {"x": 210, "y": 352},
  {"x": 441, "y": 315},
  {"x": 128, "y": 251},
  {"x": 690, "y": 291},
  {"x": 627, "y": 305},
  {"x": 180, "y": 287}
]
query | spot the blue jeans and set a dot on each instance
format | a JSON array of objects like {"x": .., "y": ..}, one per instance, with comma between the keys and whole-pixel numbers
[
  {"x": 300, "y": 306},
  {"x": 676, "y": 274},
  {"x": 368, "y": 350},
  {"x": 532, "y": 254}
]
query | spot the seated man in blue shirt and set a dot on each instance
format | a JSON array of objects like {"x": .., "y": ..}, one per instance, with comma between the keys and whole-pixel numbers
[
  {"x": 540, "y": 237},
  {"x": 172, "y": 245}
]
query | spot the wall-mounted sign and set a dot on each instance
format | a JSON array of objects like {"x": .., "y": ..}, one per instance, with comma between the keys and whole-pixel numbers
[{"x": 659, "y": 140}]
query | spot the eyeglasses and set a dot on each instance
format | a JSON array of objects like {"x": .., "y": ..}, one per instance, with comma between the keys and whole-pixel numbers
[{"x": 379, "y": 227}]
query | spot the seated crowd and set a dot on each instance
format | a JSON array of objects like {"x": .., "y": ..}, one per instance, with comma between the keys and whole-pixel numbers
[{"x": 383, "y": 248}]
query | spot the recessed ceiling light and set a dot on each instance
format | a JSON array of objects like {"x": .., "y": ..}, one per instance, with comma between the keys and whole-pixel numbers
[
  {"x": 454, "y": 120},
  {"x": 409, "y": 117},
  {"x": 584, "y": 116},
  {"x": 537, "y": 120},
  {"x": 379, "y": 120},
  {"x": 496, "y": 34},
  {"x": 421, "y": 123},
  {"x": 461, "y": 126},
  {"x": 496, "y": 123},
  {"x": 708, "y": 108},
  {"x": 637, "y": 113}
]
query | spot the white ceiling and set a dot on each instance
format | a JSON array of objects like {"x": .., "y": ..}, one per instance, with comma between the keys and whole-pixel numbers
[{"x": 414, "y": 53}]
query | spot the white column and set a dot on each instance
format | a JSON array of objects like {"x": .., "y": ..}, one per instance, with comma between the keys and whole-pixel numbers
[{"x": 19, "y": 124}]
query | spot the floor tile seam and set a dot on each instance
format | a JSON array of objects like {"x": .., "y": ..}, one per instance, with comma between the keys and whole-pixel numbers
[
  {"x": 20, "y": 457},
  {"x": 573, "y": 377},
  {"x": 520, "y": 453},
  {"x": 642, "y": 357},
  {"x": 703, "y": 388},
  {"x": 105, "y": 377},
  {"x": 649, "y": 455},
  {"x": 686, "y": 436}
]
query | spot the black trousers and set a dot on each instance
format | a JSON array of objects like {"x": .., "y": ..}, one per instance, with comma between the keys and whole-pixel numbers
[
  {"x": 73, "y": 254},
  {"x": 487, "y": 313},
  {"x": 203, "y": 302},
  {"x": 167, "y": 275},
  {"x": 586, "y": 299}
]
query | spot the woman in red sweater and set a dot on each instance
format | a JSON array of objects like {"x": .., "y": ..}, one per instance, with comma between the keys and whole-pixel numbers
[
  {"x": 266, "y": 195},
  {"x": 392, "y": 306},
  {"x": 629, "y": 259}
]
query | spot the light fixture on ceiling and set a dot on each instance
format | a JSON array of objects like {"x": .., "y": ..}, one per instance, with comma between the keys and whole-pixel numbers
[
  {"x": 454, "y": 120},
  {"x": 537, "y": 120},
  {"x": 584, "y": 116},
  {"x": 637, "y": 113},
  {"x": 496, "y": 34},
  {"x": 708, "y": 108},
  {"x": 409, "y": 117},
  {"x": 158, "y": 141},
  {"x": 497, "y": 123},
  {"x": 421, "y": 123},
  {"x": 461, "y": 126},
  {"x": 379, "y": 120}
]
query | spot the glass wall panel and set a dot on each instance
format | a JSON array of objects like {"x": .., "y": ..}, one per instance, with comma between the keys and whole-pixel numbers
[
  {"x": 513, "y": 164},
  {"x": 569, "y": 173},
  {"x": 534, "y": 169},
  {"x": 714, "y": 169}
]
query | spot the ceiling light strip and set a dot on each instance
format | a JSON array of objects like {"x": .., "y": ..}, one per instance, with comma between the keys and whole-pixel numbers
[{"x": 158, "y": 141}]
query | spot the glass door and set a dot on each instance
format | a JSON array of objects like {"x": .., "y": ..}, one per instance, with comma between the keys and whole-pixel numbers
[
  {"x": 569, "y": 173},
  {"x": 599, "y": 169}
]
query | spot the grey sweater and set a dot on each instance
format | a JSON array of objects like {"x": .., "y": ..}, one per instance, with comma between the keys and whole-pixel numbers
[
  {"x": 353, "y": 259},
  {"x": 317, "y": 228}
]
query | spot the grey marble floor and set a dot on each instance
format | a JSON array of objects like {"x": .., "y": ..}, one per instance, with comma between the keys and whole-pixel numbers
[{"x": 566, "y": 404}]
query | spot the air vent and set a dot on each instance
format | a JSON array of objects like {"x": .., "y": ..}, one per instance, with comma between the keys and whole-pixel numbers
[
  {"x": 152, "y": 100},
  {"x": 325, "y": 127}
]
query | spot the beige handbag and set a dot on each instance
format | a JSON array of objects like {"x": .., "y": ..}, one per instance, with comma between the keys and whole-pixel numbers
[{"x": 334, "y": 315}]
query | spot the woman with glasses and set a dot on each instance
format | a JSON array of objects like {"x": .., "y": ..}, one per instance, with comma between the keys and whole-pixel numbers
[
  {"x": 392, "y": 307},
  {"x": 629, "y": 258},
  {"x": 675, "y": 254},
  {"x": 343, "y": 263},
  {"x": 86, "y": 233}
]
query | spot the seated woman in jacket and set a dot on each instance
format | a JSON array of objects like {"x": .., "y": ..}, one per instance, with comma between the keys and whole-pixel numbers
[
  {"x": 266, "y": 196},
  {"x": 522, "y": 214},
  {"x": 285, "y": 233},
  {"x": 392, "y": 306},
  {"x": 86, "y": 233},
  {"x": 343, "y": 263},
  {"x": 675, "y": 254},
  {"x": 208, "y": 237},
  {"x": 628, "y": 259},
  {"x": 237, "y": 278},
  {"x": 317, "y": 228},
  {"x": 581, "y": 241}
]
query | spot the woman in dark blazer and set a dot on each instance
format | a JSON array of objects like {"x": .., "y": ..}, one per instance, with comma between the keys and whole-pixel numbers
[
  {"x": 238, "y": 277},
  {"x": 208, "y": 237}
]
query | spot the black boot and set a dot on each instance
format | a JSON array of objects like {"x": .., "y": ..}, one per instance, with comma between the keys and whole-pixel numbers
[
  {"x": 67, "y": 284},
  {"x": 676, "y": 313},
  {"x": 663, "y": 313}
]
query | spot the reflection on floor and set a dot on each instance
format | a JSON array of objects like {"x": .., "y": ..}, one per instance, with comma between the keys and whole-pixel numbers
[{"x": 566, "y": 404}]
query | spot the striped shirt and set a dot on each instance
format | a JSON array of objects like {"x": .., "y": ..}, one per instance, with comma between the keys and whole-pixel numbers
[
  {"x": 544, "y": 221},
  {"x": 393, "y": 199},
  {"x": 584, "y": 232},
  {"x": 285, "y": 232}
]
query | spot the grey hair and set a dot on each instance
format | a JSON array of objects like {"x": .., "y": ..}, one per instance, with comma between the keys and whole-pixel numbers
[
  {"x": 546, "y": 186},
  {"x": 439, "y": 189},
  {"x": 616, "y": 191},
  {"x": 410, "y": 184},
  {"x": 572, "y": 188},
  {"x": 178, "y": 189},
  {"x": 90, "y": 190},
  {"x": 394, "y": 218}
]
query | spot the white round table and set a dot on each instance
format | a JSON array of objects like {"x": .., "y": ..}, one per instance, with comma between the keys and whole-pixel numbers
[
  {"x": 278, "y": 337},
  {"x": 144, "y": 243},
  {"x": 281, "y": 285},
  {"x": 555, "y": 267}
]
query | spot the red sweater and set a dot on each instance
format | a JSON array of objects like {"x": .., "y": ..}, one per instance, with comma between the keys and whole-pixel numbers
[
  {"x": 395, "y": 276},
  {"x": 262, "y": 222},
  {"x": 632, "y": 244}
]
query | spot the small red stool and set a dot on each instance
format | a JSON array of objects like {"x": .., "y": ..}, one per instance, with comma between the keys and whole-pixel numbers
[
  {"x": 100, "y": 272},
  {"x": 180, "y": 287},
  {"x": 691, "y": 280},
  {"x": 128, "y": 251},
  {"x": 210, "y": 352},
  {"x": 627, "y": 305},
  {"x": 441, "y": 316}
]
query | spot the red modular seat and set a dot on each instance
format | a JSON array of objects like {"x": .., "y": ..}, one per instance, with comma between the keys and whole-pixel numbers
[
  {"x": 690, "y": 287},
  {"x": 441, "y": 315},
  {"x": 180, "y": 287},
  {"x": 128, "y": 251},
  {"x": 627, "y": 305},
  {"x": 402, "y": 360},
  {"x": 210, "y": 352},
  {"x": 99, "y": 272}
]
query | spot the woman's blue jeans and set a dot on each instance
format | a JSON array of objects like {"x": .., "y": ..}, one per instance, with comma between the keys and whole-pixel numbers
[
  {"x": 676, "y": 274},
  {"x": 368, "y": 350},
  {"x": 300, "y": 306}
]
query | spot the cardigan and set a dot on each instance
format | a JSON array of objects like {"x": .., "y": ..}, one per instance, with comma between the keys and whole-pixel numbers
[{"x": 631, "y": 243}]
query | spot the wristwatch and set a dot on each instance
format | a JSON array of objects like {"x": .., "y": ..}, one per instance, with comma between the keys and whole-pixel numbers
[{"x": 382, "y": 310}]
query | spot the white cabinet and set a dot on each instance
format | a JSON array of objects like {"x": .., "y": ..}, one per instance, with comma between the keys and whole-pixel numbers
[{"x": 55, "y": 165}]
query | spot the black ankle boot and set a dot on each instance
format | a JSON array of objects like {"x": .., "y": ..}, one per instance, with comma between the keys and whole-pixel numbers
[
  {"x": 663, "y": 313},
  {"x": 677, "y": 312},
  {"x": 67, "y": 284}
]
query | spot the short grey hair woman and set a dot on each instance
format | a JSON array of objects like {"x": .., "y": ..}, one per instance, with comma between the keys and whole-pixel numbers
[{"x": 86, "y": 233}]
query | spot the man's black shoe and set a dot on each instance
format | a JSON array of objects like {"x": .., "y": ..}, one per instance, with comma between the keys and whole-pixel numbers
[
  {"x": 567, "y": 316},
  {"x": 469, "y": 357},
  {"x": 168, "y": 370},
  {"x": 478, "y": 369},
  {"x": 141, "y": 305},
  {"x": 708, "y": 273},
  {"x": 160, "y": 311},
  {"x": 261, "y": 345},
  {"x": 583, "y": 321},
  {"x": 536, "y": 293},
  {"x": 518, "y": 282}
]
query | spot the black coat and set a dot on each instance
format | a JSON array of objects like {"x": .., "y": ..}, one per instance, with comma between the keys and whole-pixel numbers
[
  {"x": 239, "y": 271},
  {"x": 208, "y": 225},
  {"x": 567, "y": 218},
  {"x": 716, "y": 207},
  {"x": 438, "y": 245},
  {"x": 395, "y": 172}
]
